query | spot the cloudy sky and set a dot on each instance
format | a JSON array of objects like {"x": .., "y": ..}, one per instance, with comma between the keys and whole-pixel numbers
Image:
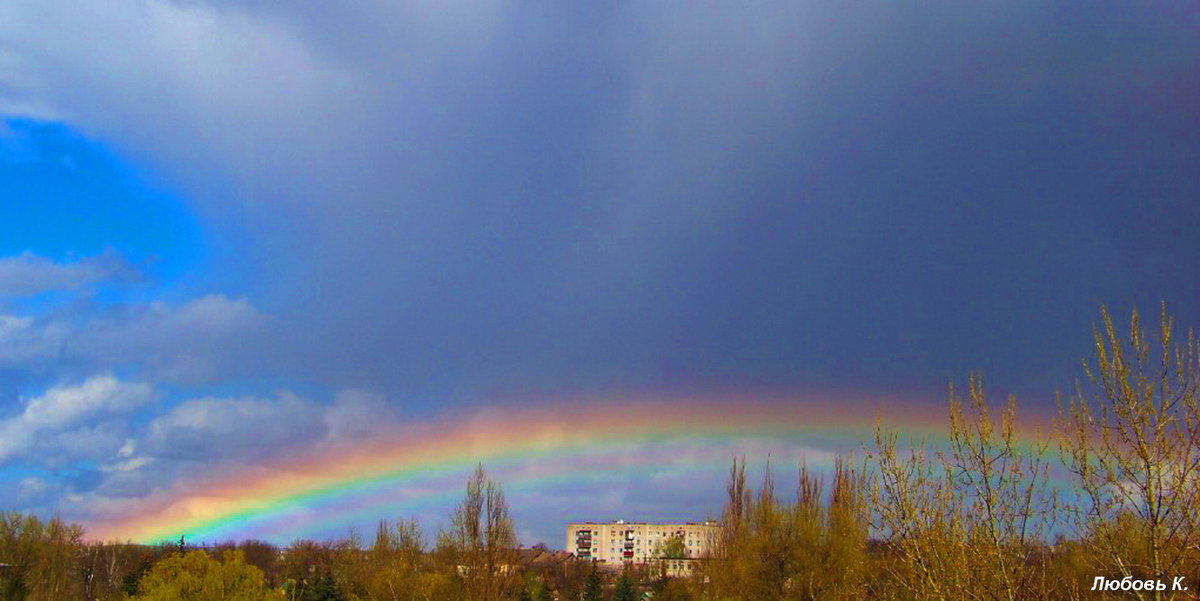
[{"x": 229, "y": 228}]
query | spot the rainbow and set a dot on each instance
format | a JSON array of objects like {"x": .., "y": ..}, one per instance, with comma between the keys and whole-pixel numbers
[{"x": 422, "y": 466}]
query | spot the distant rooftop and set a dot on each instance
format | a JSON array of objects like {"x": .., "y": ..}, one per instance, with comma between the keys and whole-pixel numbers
[{"x": 632, "y": 523}]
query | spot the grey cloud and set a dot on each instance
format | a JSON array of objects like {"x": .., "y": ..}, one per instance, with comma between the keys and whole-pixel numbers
[
  {"x": 356, "y": 415},
  {"x": 245, "y": 428},
  {"x": 28, "y": 274},
  {"x": 35, "y": 489},
  {"x": 23, "y": 339},
  {"x": 255, "y": 428},
  {"x": 98, "y": 441},
  {"x": 210, "y": 73},
  {"x": 130, "y": 485},
  {"x": 184, "y": 342},
  {"x": 476, "y": 199}
]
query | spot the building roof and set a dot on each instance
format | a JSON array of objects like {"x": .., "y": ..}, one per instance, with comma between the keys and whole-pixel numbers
[{"x": 542, "y": 558}]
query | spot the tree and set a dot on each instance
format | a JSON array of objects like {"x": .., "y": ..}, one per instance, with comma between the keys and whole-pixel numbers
[
  {"x": 395, "y": 562},
  {"x": 1131, "y": 439},
  {"x": 1004, "y": 490},
  {"x": 194, "y": 576},
  {"x": 110, "y": 571},
  {"x": 774, "y": 550},
  {"x": 41, "y": 558},
  {"x": 672, "y": 590},
  {"x": 964, "y": 522},
  {"x": 841, "y": 573},
  {"x": 672, "y": 547},
  {"x": 483, "y": 540},
  {"x": 593, "y": 588},
  {"x": 540, "y": 592},
  {"x": 350, "y": 567},
  {"x": 304, "y": 563},
  {"x": 264, "y": 556},
  {"x": 129, "y": 583},
  {"x": 624, "y": 589},
  {"x": 726, "y": 573},
  {"x": 324, "y": 588}
]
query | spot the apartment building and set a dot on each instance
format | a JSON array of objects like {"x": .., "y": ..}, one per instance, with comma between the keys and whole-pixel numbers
[{"x": 638, "y": 542}]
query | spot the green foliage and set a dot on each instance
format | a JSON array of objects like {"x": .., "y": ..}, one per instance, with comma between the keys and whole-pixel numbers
[
  {"x": 324, "y": 589},
  {"x": 672, "y": 589},
  {"x": 129, "y": 583},
  {"x": 624, "y": 589},
  {"x": 672, "y": 548},
  {"x": 541, "y": 592},
  {"x": 195, "y": 576},
  {"x": 593, "y": 588}
]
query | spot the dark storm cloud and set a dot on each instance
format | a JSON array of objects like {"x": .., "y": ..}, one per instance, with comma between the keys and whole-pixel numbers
[{"x": 458, "y": 199}]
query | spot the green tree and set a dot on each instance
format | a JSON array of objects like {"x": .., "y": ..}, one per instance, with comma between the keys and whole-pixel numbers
[
  {"x": 194, "y": 576},
  {"x": 624, "y": 589},
  {"x": 540, "y": 592},
  {"x": 672, "y": 548},
  {"x": 672, "y": 589},
  {"x": 593, "y": 589},
  {"x": 304, "y": 562},
  {"x": 129, "y": 583},
  {"x": 325, "y": 588}
]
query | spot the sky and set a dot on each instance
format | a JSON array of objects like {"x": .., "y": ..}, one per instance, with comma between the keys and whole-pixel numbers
[{"x": 234, "y": 232}]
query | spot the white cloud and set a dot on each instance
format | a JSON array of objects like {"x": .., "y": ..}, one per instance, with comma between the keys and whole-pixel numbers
[
  {"x": 28, "y": 274},
  {"x": 128, "y": 466},
  {"x": 61, "y": 408}
]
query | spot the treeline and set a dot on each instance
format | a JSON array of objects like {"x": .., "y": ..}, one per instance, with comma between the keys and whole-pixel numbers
[
  {"x": 476, "y": 558},
  {"x": 1110, "y": 491}
]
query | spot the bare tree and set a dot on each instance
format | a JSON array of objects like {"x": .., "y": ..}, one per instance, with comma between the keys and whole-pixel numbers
[{"x": 484, "y": 540}]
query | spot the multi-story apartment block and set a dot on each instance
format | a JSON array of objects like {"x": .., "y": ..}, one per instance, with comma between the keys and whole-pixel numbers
[{"x": 638, "y": 542}]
